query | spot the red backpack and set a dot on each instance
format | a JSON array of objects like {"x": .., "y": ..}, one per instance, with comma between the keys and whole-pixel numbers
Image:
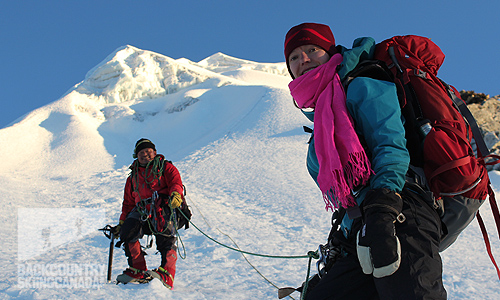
[{"x": 439, "y": 130}]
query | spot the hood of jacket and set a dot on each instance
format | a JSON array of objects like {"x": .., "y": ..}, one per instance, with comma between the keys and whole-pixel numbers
[{"x": 362, "y": 49}]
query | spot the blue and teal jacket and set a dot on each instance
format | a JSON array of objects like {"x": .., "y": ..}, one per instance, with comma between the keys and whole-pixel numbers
[{"x": 374, "y": 107}]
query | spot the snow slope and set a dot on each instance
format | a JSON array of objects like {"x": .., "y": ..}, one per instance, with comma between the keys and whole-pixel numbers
[{"x": 231, "y": 129}]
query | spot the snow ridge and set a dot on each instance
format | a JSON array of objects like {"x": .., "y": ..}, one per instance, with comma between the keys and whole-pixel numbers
[{"x": 130, "y": 73}]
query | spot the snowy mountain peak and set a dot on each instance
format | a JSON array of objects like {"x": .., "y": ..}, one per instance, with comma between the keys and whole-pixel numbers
[
  {"x": 131, "y": 73},
  {"x": 220, "y": 62}
]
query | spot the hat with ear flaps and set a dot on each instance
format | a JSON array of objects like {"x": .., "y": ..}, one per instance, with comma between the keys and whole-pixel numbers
[
  {"x": 143, "y": 144},
  {"x": 309, "y": 34}
]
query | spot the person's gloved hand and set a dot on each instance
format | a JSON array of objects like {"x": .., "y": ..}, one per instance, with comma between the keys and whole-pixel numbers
[
  {"x": 116, "y": 230},
  {"x": 175, "y": 200},
  {"x": 379, "y": 250}
]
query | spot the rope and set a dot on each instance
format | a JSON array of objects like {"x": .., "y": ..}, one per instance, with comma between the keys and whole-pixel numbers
[
  {"x": 242, "y": 254},
  {"x": 201, "y": 214},
  {"x": 153, "y": 171},
  {"x": 246, "y": 252},
  {"x": 173, "y": 218},
  {"x": 311, "y": 255},
  {"x": 156, "y": 166},
  {"x": 251, "y": 265}
]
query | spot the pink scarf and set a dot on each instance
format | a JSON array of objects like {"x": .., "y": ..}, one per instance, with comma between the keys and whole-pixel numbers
[{"x": 343, "y": 164}]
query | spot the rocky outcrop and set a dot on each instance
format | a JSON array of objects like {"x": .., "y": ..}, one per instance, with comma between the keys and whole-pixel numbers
[
  {"x": 486, "y": 110},
  {"x": 470, "y": 97}
]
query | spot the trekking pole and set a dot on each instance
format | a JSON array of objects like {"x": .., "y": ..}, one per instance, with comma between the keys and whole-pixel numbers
[{"x": 108, "y": 232}]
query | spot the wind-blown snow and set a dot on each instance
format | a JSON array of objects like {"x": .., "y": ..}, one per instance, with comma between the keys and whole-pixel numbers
[{"x": 230, "y": 127}]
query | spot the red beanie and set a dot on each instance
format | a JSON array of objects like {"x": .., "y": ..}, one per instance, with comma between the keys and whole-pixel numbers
[{"x": 309, "y": 34}]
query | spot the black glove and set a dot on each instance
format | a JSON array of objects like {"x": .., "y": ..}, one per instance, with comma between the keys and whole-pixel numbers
[
  {"x": 379, "y": 250},
  {"x": 116, "y": 230}
]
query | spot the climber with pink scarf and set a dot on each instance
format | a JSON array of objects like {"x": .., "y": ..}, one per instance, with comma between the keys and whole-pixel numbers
[{"x": 384, "y": 243}]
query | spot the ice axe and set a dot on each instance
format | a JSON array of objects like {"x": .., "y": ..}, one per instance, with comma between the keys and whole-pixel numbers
[
  {"x": 108, "y": 232},
  {"x": 285, "y": 292}
]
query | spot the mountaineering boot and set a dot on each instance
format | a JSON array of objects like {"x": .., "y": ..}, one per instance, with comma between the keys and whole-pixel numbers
[
  {"x": 164, "y": 276},
  {"x": 137, "y": 265},
  {"x": 166, "y": 272},
  {"x": 133, "y": 275}
]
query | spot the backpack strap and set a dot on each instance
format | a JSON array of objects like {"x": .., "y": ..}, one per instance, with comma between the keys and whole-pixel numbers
[
  {"x": 374, "y": 69},
  {"x": 462, "y": 107},
  {"x": 487, "y": 242}
]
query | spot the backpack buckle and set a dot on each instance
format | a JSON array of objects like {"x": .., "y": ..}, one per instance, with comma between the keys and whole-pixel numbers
[{"x": 420, "y": 73}]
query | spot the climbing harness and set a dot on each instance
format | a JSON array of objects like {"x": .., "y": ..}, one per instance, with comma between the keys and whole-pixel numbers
[{"x": 150, "y": 210}]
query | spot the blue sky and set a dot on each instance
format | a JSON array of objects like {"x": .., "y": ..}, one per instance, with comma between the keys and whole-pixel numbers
[{"x": 48, "y": 46}]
